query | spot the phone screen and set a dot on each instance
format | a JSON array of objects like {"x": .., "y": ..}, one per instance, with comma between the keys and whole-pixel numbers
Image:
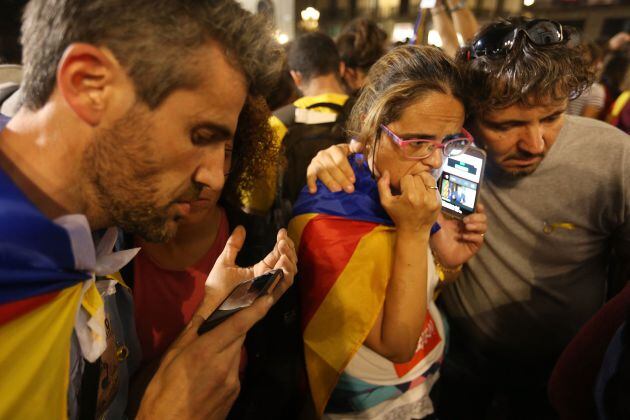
[
  {"x": 459, "y": 185},
  {"x": 241, "y": 297}
]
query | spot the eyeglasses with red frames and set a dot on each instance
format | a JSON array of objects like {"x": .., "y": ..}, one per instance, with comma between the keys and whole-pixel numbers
[{"x": 423, "y": 148}]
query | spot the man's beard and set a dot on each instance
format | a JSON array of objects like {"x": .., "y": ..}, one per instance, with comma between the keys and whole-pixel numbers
[
  {"x": 517, "y": 172},
  {"x": 124, "y": 174}
]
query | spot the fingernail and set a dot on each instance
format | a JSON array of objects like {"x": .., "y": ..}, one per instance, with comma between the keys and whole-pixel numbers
[{"x": 349, "y": 188}]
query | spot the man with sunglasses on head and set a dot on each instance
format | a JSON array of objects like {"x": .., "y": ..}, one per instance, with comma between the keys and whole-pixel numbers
[{"x": 557, "y": 195}]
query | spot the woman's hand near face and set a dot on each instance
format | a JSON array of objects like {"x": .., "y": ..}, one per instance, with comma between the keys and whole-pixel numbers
[
  {"x": 416, "y": 208},
  {"x": 396, "y": 332}
]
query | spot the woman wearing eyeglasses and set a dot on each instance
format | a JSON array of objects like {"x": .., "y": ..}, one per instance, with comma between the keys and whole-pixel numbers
[{"x": 373, "y": 337}]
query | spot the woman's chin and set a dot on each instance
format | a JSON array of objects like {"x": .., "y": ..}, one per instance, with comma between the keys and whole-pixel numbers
[{"x": 197, "y": 214}]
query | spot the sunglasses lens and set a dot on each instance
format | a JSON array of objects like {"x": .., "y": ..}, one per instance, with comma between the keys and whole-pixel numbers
[
  {"x": 544, "y": 32},
  {"x": 495, "y": 42}
]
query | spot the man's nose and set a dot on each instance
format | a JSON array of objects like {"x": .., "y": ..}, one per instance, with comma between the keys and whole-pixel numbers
[
  {"x": 210, "y": 172},
  {"x": 532, "y": 140}
]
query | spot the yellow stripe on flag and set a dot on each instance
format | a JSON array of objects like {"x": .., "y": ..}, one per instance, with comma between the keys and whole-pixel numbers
[
  {"x": 348, "y": 312},
  {"x": 35, "y": 359}
]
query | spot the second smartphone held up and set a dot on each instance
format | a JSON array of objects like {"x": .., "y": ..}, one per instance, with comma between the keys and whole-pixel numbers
[{"x": 241, "y": 297}]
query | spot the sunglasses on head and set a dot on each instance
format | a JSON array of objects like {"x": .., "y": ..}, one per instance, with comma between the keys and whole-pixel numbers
[{"x": 496, "y": 42}]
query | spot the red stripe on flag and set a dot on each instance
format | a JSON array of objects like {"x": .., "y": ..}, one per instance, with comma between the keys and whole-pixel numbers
[
  {"x": 327, "y": 245},
  {"x": 10, "y": 311}
]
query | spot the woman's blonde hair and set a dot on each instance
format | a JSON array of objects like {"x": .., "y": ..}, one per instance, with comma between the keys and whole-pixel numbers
[{"x": 400, "y": 77}]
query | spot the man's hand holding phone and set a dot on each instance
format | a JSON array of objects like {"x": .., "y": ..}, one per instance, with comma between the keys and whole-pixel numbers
[
  {"x": 226, "y": 275},
  {"x": 198, "y": 376}
]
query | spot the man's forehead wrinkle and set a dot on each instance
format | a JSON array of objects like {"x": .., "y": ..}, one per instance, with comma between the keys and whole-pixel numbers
[
  {"x": 221, "y": 82},
  {"x": 237, "y": 66},
  {"x": 203, "y": 58},
  {"x": 211, "y": 118},
  {"x": 519, "y": 112}
]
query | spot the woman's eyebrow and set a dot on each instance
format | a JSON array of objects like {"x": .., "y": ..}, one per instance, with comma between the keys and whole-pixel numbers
[
  {"x": 412, "y": 136},
  {"x": 454, "y": 136}
]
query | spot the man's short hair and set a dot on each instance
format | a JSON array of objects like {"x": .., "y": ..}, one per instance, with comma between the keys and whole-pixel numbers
[
  {"x": 527, "y": 75},
  {"x": 361, "y": 43},
  {"x": 313, "y": 55},
  {"x": 152, "y": 39}
]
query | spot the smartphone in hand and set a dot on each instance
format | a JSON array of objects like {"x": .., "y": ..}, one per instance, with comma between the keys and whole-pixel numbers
[
  {"x": 241, "y": 297},
  {"x": 460, "y": 182}
]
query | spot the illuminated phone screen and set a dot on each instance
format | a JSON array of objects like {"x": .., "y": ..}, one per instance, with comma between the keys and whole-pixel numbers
[
  {"x": 461, "y": 176},
  {"x": 246, "y": 293},
  {"x": 241, "y": 297}
]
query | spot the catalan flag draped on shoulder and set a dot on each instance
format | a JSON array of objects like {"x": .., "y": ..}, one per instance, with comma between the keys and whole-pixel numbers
[
  {"x": 345, "y": 253},
  {"x": 40, "y": 291},
  {"x": 45, "y": 278}
]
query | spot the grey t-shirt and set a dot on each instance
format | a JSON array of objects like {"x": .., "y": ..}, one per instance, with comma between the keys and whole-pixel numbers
[{"x": 530, "y": 288}]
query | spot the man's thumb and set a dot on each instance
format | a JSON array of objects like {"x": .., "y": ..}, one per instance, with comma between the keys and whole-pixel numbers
[{"x": 233, "y": 246}]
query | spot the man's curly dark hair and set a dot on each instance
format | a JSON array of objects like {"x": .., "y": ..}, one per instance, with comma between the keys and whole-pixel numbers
[{"x": 527, "y": 74}]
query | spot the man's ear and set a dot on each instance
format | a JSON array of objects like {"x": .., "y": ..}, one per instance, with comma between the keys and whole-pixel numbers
[
  {"x": 342, "y": 69},
  {"x": 297, "y": 78},
  {"x": 350, "y": 77},
  {"x": 85, "y": 77}
]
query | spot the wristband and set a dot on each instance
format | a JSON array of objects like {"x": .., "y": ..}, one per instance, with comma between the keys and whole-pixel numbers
[{"x": 444, "y": 271}]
